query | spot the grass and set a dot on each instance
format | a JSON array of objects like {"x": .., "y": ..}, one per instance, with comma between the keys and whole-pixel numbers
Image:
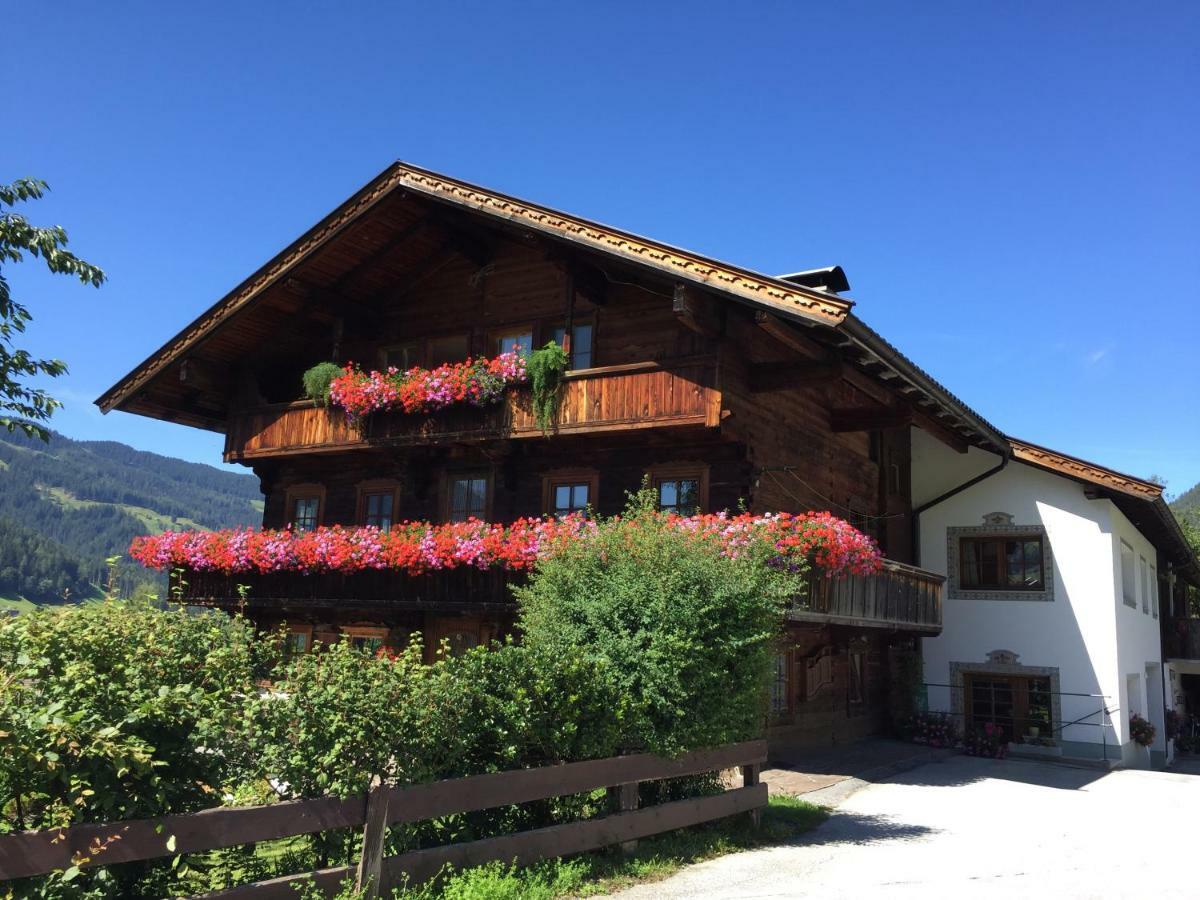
[
  {"x": 20, "y": 604},
  {"x": 153, "y": 522},
  {"x": 593, "y": 874}
]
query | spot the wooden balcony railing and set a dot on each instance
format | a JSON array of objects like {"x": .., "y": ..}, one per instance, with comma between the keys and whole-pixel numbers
[
  {"x": 612, "y": 398},
  {"x": 899, "y": 597},
  {"x": 1181, "y": 638}
]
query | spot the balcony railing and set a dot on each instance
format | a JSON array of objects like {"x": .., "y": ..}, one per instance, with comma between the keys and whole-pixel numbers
[
  {"x": 613, "y": 398},
  {"x": 1181, "y": 638},
  {"x": 899, "y": 597}
]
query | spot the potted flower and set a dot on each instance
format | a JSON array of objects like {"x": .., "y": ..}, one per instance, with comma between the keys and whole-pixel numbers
[{"x": 1141, "y": 733}]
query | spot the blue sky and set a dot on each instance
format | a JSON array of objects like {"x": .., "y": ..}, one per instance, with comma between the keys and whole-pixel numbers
[{"x": 1013, "y": 189}]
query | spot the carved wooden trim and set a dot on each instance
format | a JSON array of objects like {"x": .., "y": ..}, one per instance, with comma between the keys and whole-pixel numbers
[
  {"x": 1084, "y": 471},
  {"x": 771, "y": 292}
]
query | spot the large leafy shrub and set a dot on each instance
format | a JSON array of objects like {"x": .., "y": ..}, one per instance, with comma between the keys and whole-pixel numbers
[{"x": 684, "y": 627}]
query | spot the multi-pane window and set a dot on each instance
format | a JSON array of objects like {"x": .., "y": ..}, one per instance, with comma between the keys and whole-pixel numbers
[
  {"x": 305, "y": 513},
  {"x": 780, "y": 705},
  {"x": 570, "y": 497},
  {"x": 581, "y": 344},
  {"x": 468, "y": 497},
  {"x": 1002, "y": 563},
  {"x": 378, "y": 509},
  {"x": 1128, "y": 576},
  {"x": 520, "y": 340},
  {"x": 298, "y": 640},
  {"x": 678, "y": 495}
]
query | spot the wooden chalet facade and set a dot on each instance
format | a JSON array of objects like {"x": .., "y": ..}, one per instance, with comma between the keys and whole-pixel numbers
[{"x": 719, "y": 384}]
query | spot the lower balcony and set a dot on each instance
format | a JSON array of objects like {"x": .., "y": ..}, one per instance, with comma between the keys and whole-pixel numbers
[{"x": 899, "y": 598}]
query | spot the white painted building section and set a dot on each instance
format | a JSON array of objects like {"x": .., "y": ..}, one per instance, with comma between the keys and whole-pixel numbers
[{"x": 1075, "y": 634}]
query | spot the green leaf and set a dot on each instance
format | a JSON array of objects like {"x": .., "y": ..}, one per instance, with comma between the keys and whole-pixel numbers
[{"x": 171, "y": 844}]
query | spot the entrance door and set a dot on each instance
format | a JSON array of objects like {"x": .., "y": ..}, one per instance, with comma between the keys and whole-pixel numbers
[{"x": 1015, "y": 703}]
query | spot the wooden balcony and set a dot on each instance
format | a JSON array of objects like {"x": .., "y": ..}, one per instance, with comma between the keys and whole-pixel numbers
[
  {"x": 1181, "y": 638},
  {"x": 613, "y": 398},
  {"x": 458, "y": 590},
  {"x": 900, "y": 598}
]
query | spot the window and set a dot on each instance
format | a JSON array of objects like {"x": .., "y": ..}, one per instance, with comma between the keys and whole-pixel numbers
[
  {"x": 303, "y": 505},
  {"x": 780, "y": 683},
  {"x": 680, "y": 489},
  {"x": 569, "y": 492},
  {"x": 451, "y": 348},
  {"x": 520, "y": 338},
  {"x": 377, "y": 510},
  {"x": 1001, "y": 563},
  {"x": 1145, "y": 585},
  {"x": 299, "y": 639},
  {"x": 402, "y": 356},
  {"x": 1128, "y": 576},
  {"x": 368, "y": 638},
  {"x": 1018, "y": 704},
  {"x": 581, "y": 343},
  {"x": 857, "y": 683},
  {"x": 1154, "y": 591},
  {"x": 468, "y": 497}
]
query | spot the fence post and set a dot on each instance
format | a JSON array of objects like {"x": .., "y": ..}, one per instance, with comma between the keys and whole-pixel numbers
[
  {"x": 624, "y": 798},
  {"x": 749, "y": 779},
  {"x": 370, "y": 863}
]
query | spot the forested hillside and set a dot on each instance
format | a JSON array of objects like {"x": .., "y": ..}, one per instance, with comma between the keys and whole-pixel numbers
[
  {"x": 68, "y": 505},
  {"x": 1187, "y": 504}
]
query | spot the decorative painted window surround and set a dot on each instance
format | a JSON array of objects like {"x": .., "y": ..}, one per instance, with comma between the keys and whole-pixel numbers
[
  {"x": 996, "y": 524},
  {"x": 1003, "y": 662}
]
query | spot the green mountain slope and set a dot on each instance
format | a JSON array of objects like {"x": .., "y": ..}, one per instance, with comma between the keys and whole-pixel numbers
[
  {"x": 68, "y": 505},
  {"x": 1187, "y": 504}
]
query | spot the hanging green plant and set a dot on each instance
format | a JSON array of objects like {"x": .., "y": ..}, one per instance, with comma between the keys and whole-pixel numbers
[
  {"x": 318, "y": 379},
  {"x": 546, "y": 367}
]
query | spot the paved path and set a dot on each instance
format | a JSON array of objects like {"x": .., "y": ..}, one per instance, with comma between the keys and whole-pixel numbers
[{"x": 978, "y": 828}]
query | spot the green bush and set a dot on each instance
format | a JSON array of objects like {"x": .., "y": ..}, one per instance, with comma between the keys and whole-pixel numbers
[
  {"x": 546, "y": 368},
  {"x": 317, "y": 381},
  {"x": 684, "y": 630}
]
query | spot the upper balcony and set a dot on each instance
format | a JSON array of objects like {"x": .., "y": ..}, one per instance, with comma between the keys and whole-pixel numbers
[
  {"x": 899, "y": 598},
  {"x": 673, "y": 393},
  {"x": 1181, "y": 638}
]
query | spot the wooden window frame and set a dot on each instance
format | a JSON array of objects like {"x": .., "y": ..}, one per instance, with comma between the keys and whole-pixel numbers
[
  {"x": 306, "y": 631},
  {"x": 679, "y": 472},
  {"x": 495, "y": 334},
  {"x": 350, "y": 632},
  {"x": 547, "y": 335},
  {"x": 378, "y": 486},
  {"x": 964, "y": 541},
  {"x": 303, "y": 491},
  {"x": 551, "y": 480},
  {"x": 448, "y": 479}
]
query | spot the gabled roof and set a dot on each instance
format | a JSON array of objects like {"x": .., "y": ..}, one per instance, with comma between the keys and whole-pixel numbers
[
  {"x": 793, "y": 301},
  {"x": 1141, "y": 501}
]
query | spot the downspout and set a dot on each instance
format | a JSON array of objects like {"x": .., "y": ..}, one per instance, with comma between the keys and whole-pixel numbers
[{"x": 916, "y": 513}]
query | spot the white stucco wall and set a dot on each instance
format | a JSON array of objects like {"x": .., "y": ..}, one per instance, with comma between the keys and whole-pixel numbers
[{"x": 1085, "y": 631}]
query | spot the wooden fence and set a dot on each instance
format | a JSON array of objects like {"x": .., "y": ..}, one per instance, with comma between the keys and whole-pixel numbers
[{"x": 33, "y": 853}]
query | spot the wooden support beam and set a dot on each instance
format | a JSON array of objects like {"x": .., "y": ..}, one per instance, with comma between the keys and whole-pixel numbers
[
  {"x": 199, "y": 375},
  {"x": 936, "y": 429},
  {"x": 793, "y": 375},
  {"x": 869, "y": 418},
  {"x": 699, "y": 312}
]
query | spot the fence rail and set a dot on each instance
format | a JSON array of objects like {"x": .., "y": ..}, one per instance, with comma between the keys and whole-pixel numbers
[{"x": 34, "y": 853}]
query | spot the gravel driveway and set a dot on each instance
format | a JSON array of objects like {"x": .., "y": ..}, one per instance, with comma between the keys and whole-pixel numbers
[{"x": 978, "y": 828}]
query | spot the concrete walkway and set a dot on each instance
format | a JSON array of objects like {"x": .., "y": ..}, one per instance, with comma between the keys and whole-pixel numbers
[
  {"x": 969, "y": 827},
  {"x": 837, "y": 772}
]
